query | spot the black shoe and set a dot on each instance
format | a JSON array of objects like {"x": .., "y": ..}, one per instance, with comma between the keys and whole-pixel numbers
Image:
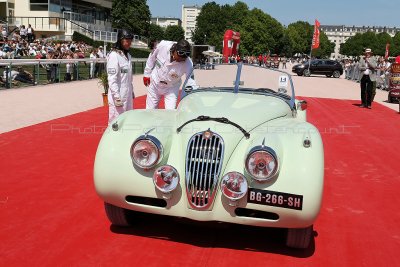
[
  {"x": 369, "y": 107},
  {"x": 362, "y": 106}
]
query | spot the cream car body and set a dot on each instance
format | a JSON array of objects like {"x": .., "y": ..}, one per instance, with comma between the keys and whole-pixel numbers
[{"x": 276, "y": 122}]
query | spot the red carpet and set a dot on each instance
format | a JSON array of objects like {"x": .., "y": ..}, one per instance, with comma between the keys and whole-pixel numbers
[{"x": 50, "y": 214}]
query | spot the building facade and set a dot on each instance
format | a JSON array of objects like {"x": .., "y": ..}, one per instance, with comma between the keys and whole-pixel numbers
[
  {"x": 57, "y": 17},
  {"x": 165, "y": 22},
  {"x": 189, "y": 17},
  {"x": 339, "y": 34}
]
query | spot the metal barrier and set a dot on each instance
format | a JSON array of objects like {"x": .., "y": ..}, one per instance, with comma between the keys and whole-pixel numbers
[{"x": 22, "y": 72}]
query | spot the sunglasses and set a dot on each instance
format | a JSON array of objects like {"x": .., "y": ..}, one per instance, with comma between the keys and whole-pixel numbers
[{"x": 183, "y": 53}]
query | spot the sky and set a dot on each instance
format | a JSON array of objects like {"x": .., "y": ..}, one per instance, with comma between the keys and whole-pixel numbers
[{"x": 328, "y": 12}]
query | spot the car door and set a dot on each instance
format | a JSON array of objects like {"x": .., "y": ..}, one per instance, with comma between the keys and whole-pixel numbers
[
  {"x": 330, "y": 67},
  {"x": 313, "y": 66},
  {"x": 317, "y": 67}
]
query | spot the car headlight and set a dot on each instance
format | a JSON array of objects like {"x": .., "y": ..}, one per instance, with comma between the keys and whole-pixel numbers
[
  {"x": 166, "y": 178},
  {"x": 261, "y": 163},
  {"x": 146, "y": 152},
  {"x": 234, "y": 186}
]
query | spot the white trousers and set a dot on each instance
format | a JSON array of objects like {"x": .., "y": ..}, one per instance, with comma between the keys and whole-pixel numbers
[{"x": 154, "y": 95}]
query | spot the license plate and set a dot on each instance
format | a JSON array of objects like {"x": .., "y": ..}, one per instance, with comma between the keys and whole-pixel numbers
[{"x": 276, "y": 199}]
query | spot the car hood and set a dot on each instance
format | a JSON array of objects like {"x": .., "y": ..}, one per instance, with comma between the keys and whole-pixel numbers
[{"x": 247, "y": 110}]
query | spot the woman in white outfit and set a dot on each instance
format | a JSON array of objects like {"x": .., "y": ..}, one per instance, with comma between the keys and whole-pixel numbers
[{"x": 119, "y": 70}]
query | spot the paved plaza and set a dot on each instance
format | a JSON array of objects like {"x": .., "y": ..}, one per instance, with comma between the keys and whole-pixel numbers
[{"x": 22, "y": 107}]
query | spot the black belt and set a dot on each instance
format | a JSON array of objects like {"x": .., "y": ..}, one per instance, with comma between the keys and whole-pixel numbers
[{"x": 163, "y": 82}]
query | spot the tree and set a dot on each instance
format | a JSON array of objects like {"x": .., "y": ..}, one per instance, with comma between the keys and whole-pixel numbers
[
  {"x": 383, "y": 38},
  {"x": 300, "y": 35},
  {"x": 260, "y": 33},
  {"x": 395, "y": 48},
  {"x": 356, "y": 44},
  {"x": 131, "y": 14},
  {"x": 156, "y": 33},
  {"x": 174, "y": 33},
  {"x": 353, "y": 47},
  {"x": 211, "y": 25}
]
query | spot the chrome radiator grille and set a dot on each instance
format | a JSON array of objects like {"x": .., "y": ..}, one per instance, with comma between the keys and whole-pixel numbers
[{"x": 204, "y": 158}]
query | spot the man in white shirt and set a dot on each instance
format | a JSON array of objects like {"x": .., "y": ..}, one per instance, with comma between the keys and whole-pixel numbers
[
  {"x": 367, "y": 67},
  {"x": 100, "y": 52},
  {"x": 4, "y": 33},
  {"x": 30, "y": 33},
  {"x": 100, "y": 66},
  {"x": 119, "y": 70},
  {"x": 164, "y": 69}
]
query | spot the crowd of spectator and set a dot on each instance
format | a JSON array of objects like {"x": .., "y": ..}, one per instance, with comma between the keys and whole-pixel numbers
[
  {"x": 22, "y": 44},
  {"x": 352, "y": 71}
]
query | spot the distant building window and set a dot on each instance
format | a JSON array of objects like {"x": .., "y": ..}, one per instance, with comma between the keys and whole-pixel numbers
[{"x": 39, "y": 5}]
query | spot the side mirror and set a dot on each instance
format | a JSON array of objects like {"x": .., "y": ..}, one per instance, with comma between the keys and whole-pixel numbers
[{"x": 302, "y": 105}]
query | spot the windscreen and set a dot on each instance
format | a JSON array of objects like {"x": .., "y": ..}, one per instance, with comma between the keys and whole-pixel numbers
[{"x": 242, "y": 78}]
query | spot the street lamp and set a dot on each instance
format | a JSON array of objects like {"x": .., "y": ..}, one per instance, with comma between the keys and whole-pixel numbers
[{"x": 205, "y": 37}]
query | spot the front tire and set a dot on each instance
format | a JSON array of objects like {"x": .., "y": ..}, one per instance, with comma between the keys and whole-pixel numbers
[
  {"x": 299, "y": 237},
  {"x": 336, "y": 74},
  {"x": 116, "y": 215},
  {"x": 306, "y": 73}
]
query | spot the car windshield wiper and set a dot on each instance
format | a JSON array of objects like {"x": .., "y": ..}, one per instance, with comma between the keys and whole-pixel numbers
[{"x": 221, "y": 120}]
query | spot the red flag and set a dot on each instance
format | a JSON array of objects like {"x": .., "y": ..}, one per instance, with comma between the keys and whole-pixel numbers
[
  {"x": 387, "y": 51},
  {"x": 315, "y": 40}
]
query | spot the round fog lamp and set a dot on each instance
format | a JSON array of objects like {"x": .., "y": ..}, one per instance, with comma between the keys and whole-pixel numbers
[
  {"x": 166, "y": 178},
  {"x": 234, "y": 186}
]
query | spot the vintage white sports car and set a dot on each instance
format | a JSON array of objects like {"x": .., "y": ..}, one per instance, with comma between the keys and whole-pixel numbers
[{"x": 237, "y": 149}]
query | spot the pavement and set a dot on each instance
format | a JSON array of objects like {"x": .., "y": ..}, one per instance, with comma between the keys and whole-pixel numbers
[{"x": 27, "y": 106}]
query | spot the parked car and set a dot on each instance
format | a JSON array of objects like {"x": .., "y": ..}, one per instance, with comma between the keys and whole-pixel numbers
[
  {"x": 325, "y": 67},
  {"x": 237, "y": 149}
]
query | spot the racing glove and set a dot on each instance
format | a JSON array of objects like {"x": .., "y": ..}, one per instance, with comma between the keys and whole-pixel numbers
[{"x": 146, "y": 81}]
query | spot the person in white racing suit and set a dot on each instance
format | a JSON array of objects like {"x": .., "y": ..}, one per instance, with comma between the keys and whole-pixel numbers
[
  {"x": 165, "y": 67},
  {"x": 119, "y": 71}
]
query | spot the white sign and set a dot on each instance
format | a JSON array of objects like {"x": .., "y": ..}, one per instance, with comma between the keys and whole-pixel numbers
[{"x": 283, "y": 81}]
